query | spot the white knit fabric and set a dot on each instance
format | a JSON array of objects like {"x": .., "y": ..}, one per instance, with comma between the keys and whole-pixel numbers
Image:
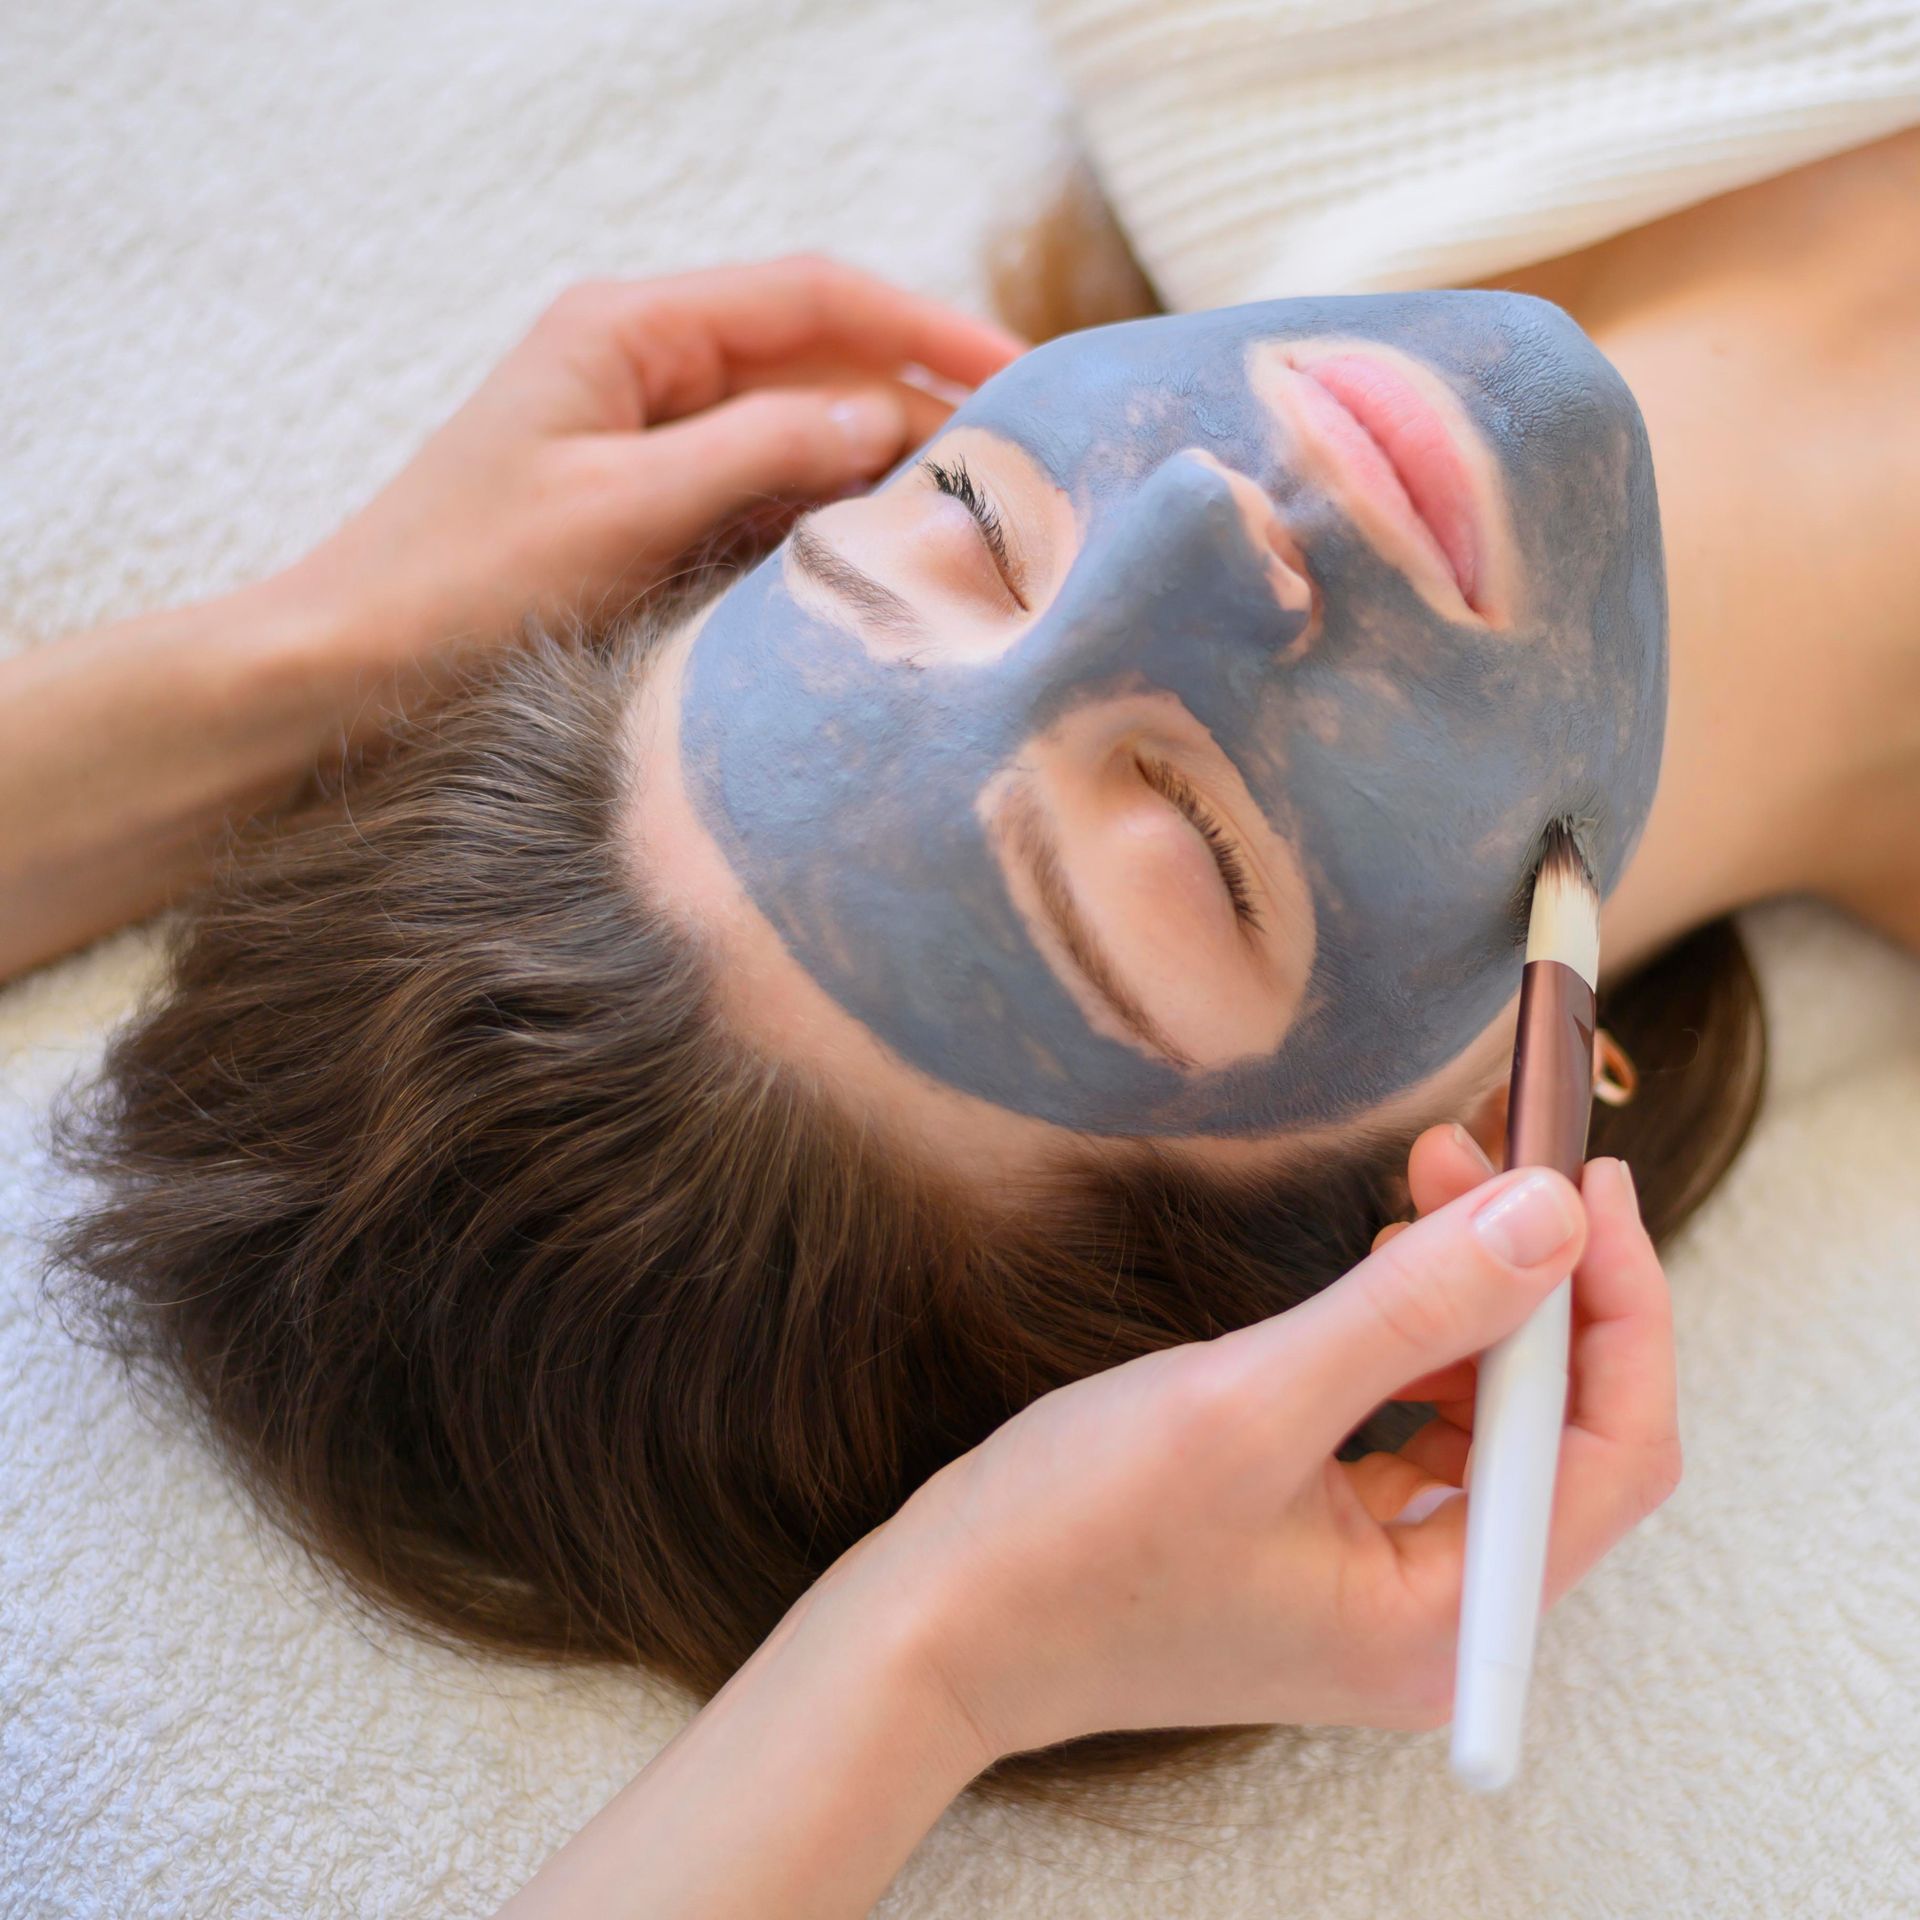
[
  {"x": 247, "y": 257},
  {"x": 1258, "y": 148}
]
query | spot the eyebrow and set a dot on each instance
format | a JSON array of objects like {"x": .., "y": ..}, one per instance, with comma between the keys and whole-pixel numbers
[
  {"x": 1033, "y": 839},
  {"x": 881, "y": 604}
]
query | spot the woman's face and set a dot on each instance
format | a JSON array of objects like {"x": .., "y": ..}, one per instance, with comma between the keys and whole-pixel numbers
[{"x": 1166, "y": 750}]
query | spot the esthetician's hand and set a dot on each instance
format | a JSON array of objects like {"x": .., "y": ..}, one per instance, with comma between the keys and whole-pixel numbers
[
  {"x": 637, "y": 419},
  {"x": 1173, "y": 1543}
]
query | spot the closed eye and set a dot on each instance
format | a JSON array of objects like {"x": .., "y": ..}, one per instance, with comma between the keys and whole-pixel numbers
[
  {"x": 1169, "y": 782},
  {"x": 958, "y": 483}
]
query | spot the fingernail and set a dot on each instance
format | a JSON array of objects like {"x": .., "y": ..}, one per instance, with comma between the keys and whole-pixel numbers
[
  {"x": 1528, "y": 1222},
  {"x": 871, "y": 423},
  {"x": 1429, "y": 1500},
  {"x": 1626, "y": 1182},
  {"x": 1472, "y": 1146}
]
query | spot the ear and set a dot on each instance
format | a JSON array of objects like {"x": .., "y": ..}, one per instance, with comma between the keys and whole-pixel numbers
[{"x": 1486, "y": 1120}]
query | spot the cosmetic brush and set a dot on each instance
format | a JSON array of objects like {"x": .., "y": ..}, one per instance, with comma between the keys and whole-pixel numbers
[{"x": 1520, "y": 1397}]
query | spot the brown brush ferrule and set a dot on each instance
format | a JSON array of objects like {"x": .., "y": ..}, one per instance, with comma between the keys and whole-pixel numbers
[{"x": 1550, "y": 1097}]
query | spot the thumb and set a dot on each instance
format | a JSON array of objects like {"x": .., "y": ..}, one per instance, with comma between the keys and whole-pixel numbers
[
  {"x": 788, "y": 443},
  {"x": 1449, "y": 1286}
]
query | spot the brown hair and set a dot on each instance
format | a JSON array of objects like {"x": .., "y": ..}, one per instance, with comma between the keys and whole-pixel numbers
[{"x": 530, "y": 1298}]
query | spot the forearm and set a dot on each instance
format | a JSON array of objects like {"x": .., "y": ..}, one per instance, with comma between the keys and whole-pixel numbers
[
  {"x": 124, "y": 752},
  {"x": 799, "y": 1789}
]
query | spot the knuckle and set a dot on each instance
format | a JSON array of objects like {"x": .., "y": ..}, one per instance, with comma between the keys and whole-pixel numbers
[
  {"x": 577, "y": 474},
  {"x": 811, "y": 279},
  {"x": 811, "y": 266},
  {"x": 581, "y": 303},
  {"x": 1200, "y": 1402},
  {"x": 819, "y": 285}
]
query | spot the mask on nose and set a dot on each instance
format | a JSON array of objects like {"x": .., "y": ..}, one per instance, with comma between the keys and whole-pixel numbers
[{"x": 1408, "y": 760}]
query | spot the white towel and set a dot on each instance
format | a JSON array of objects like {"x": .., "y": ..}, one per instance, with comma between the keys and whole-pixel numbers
[
  {"x": 1259, "y": 148},
  {"x": 247, "y": 256}
]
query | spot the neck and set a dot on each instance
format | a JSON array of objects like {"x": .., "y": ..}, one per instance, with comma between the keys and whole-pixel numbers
[{"x": 1780, "y": 407}]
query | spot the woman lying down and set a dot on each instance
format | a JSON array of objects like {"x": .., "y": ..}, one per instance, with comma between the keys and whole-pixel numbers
[{"x": 811, "y": 1140}]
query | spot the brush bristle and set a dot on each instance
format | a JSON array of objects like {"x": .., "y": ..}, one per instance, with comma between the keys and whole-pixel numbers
[{"x": 1564, "y": 923}]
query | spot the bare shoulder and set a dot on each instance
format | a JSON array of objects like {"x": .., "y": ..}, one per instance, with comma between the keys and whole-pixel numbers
[
  {"x": 1772, "y": 338},
  {"x": 1826, "y": 255}
]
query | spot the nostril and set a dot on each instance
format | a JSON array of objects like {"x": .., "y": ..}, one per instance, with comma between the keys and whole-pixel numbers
[
  {"x": 1293, "y": 585},
  {"x": 1289, "y": 579},
  {"x": 1286, "y": 551}
]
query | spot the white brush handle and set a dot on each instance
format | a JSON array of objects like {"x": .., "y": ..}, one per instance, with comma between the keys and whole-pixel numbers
[{"x": 1519, "y": 1409}]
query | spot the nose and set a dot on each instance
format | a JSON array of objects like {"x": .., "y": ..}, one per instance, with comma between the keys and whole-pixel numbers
[{"x": 1194, "y": 569}]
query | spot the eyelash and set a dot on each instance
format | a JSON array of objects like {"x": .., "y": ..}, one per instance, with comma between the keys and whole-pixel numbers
[
  {"x": 1226, "y": 853},
  {"x": 958, "y": 484}
]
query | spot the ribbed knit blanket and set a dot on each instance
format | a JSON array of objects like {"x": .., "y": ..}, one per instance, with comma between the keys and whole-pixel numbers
[{"x": 1256, "y": 148}]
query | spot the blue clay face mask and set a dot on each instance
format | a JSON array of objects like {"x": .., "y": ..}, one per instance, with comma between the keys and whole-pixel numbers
[{"x": 1408, "y": 688}]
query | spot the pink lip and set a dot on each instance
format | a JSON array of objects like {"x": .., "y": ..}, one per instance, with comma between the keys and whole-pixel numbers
[{"x": 1399, "y": 452}]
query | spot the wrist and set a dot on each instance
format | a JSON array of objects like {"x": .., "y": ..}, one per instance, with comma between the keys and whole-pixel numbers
[
  {"x": 890, "y": 1607},
  {"x": 274, "y": 657},
  {"x": 914, "y": 1574},
  {"x": 799, "y": 1788},
  {"x": 319, "y": 648}
]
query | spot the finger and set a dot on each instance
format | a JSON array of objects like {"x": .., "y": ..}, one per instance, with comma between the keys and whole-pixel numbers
[
  {"x": 1456, "y": 1382},
  {"x": 1448, "y": 1287},
  {"x": 1445, "y": 1162},
  {"x": 772, "y": 518},
  {"x": 690, "y": 338},
  {"x": 1396, "y": 1490},
  {"x": 927, "y": 413},
  {"x": 1439, "y": 1450},
  {"x": 1623, "y": 1384},
  {"x": 1385, "y": 1482},
  {"x": 772, "y": 444},
  {"x": 1620, "y": 1456}
]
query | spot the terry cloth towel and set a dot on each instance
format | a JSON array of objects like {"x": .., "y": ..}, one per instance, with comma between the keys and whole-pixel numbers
[
  {"x": 1259, "y": 148},
  {"x": 248, "y": 257}
]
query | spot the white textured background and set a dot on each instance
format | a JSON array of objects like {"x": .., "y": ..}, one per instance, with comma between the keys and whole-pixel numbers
[{"x": 248, "y": 256}]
